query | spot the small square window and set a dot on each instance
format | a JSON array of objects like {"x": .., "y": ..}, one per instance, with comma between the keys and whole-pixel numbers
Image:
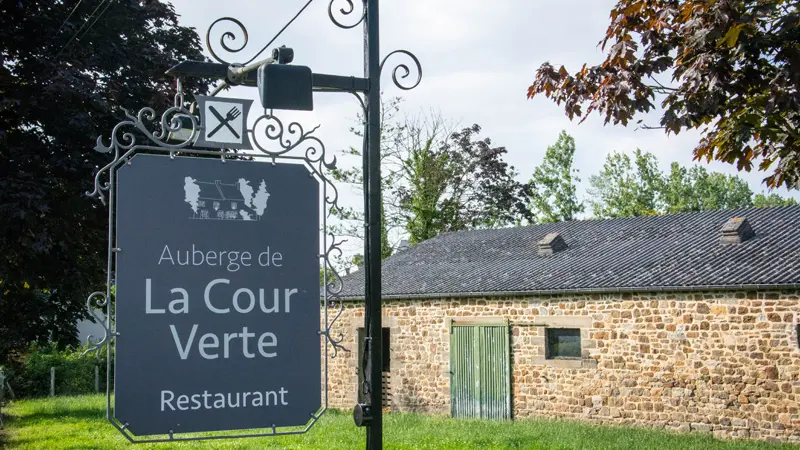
[{"x": 563, "y": 343}]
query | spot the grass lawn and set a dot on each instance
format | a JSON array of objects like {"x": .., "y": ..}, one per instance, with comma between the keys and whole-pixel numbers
[{"x": 78, "y": 423}]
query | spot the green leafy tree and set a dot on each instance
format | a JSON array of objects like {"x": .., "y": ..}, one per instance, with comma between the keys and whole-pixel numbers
[
  {"x": 57, "y": 95},
  {"x": 437, "y": 180},
  {"x": 772, "y": 200},
  {"x": 726, "y": 68},
  {"x": 554, "y": 198},
  {"x": 428, "y": 172},
  {"x": 625, "y": 187},
  {"x": 459, "y": 183},
  {"x": 695, "y": 189}
]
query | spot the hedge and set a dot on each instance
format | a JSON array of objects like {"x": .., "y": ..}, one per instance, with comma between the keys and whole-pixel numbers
[{"x": 29, "y": 374}]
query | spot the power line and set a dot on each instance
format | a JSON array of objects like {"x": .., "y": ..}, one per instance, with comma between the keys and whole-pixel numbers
[
  {"x": 83, "y": 27},
  {"x": 78, "y": 35},
  {"x": 67, "y": 19},
  {"x": 96, "y": 19}
]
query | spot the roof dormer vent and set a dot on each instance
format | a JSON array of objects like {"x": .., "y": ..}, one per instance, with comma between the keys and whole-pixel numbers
[
  {"x": 551, "y": 243},
  {"x": 736, "y": 231}
]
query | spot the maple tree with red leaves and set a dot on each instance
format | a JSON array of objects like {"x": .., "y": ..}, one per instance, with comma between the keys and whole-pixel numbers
[{"x": 734, "y": 71}]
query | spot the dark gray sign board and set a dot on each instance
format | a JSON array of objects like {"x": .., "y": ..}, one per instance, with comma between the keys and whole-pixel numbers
[{"x": 217, "y": 295}]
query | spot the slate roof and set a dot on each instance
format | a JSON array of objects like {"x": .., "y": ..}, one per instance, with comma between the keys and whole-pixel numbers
[{"x": 670, "y": 252}]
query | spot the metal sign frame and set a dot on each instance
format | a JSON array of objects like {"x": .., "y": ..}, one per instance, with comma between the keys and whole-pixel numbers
[
  {"x": 145, "y": 131},
  {"x": 133, "y": 136}
]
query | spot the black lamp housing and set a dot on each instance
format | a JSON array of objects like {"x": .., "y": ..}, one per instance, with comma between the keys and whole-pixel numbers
[{"x": 283, "y": 86}]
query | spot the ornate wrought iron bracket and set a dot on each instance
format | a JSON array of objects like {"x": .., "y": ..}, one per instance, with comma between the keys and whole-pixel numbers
[
  {"x": 202, "y": 69},
  {"x": 146, "y": 131},
  {"x": 176, "y": 129}
]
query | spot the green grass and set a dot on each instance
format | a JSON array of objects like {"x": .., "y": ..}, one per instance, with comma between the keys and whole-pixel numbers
[{"x": 78, "y": 423}]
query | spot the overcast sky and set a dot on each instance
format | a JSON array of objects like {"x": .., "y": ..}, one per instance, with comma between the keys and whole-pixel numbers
[{"x": 478, "y": 59}]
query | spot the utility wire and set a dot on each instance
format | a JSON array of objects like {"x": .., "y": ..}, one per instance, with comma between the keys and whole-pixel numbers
[
  {"x": 67, "y": 19},
  {"x": 83, "y": 27},
  {"x": 280, "y": 32},
  {"x": 96, "y": 19}
]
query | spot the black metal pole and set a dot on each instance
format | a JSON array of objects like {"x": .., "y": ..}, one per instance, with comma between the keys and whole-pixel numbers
[{"x": 373, "y": 236}]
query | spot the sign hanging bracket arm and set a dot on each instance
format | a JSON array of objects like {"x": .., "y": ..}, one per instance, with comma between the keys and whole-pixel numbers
[{"x": 321, "y": 82}]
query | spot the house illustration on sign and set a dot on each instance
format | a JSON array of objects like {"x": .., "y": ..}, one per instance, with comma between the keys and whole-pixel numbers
[{"x": 221, "y": 201}]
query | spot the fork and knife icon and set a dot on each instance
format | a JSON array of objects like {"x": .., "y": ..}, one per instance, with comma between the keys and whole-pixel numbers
[{"x": 224, "y": 121}]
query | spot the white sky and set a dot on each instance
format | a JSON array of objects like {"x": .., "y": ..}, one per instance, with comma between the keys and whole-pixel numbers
[{"x": 478, "y": 59}]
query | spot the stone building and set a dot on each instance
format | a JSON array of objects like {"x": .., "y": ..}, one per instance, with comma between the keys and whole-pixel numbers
[{"x": 685, "y": 322}]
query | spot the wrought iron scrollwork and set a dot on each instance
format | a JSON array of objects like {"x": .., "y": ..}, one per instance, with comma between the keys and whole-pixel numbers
[
  {"x": 227, "y": 36},
  {"x": 176, "y": 130},
  {"x": 334, "y": 290},
  {"x": 127, "y": 134},
  {"x": 232, "y": 36},
  {"x": 268, "y": 128},
  {"x": 273, "y": 139},
  {"x": 95, "y": 301},
  {"x": 288, "y": 137},
  {"x": 404, "y": 71},
  {"x": 345, "y": 12},
  {"x": 338, "y": 11}
]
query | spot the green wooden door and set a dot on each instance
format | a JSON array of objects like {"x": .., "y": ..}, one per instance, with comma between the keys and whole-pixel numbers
[{"x": 480, "y": 372}]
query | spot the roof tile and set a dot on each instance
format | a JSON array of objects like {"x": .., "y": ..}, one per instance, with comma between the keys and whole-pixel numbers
[{"x": 681, "y": 250}]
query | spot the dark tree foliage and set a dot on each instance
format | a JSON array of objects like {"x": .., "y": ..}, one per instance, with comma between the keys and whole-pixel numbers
[
  {"x": 481, "y": 191},
  {"x": 735, "y": 73},
  {"x": 435, "y": 181},
  {"x": 54, "y": 102}
]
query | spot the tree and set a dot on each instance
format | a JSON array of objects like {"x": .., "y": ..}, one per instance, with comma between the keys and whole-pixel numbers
[
  {"x": 352, "y": 219},
  {"x": 435, "y": 180},
  {"x": 57, "y": 95},
  {"x": 554, "y": 198},
  {"x": 461, "y": 184},
  {"x": 625, "y": 188},
  {"x": 734, "y": 76},
  {"x": 772, "y": 200},
  {"x": 428, "y": 171},
  {"x": 695, "y": 189}
]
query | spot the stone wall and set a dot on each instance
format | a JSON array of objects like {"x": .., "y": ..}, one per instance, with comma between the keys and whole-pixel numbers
[{"x": 720, "y": 362}]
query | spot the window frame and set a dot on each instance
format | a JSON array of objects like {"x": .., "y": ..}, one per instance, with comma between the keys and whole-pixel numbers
[{"x": 548, "y": 351}]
